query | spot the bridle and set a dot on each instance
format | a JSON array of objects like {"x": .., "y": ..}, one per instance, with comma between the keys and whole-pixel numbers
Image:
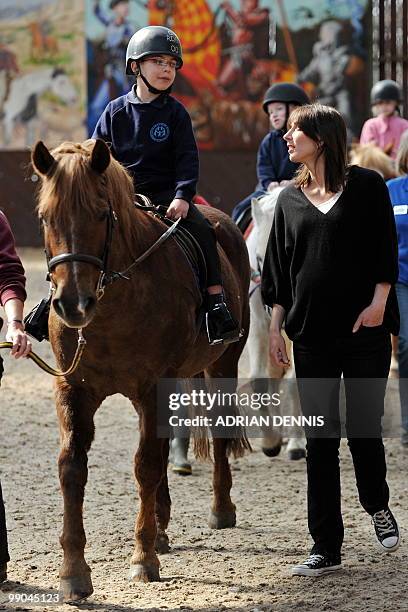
[
  {"x": 99, "y": 262},
  {"x": 107, "y": 277}
]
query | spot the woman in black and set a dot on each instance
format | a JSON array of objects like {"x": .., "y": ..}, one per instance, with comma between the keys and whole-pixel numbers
[{"x": 329, "y": 273}]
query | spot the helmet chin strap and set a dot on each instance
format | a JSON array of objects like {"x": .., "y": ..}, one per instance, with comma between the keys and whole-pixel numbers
[{"x": 150, "y": 87}]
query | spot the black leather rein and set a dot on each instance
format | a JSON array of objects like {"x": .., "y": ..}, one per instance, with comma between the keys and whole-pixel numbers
[{"x": 106, "y": 277}]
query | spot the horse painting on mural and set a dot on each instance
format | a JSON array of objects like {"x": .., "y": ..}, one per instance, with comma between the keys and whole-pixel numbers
[
  {"x": 20, "y": 107},
  {"x": 261, "y": 367},
  {"x": 138, "y": 330}
]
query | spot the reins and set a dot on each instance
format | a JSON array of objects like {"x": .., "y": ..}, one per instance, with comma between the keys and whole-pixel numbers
[
  {"x": 105, "y": 277},
  {"x": 255, "y": 273}
]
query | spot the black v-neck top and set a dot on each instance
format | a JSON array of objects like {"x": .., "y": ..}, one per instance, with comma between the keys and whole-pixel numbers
[{"x": 322, "y": 268}]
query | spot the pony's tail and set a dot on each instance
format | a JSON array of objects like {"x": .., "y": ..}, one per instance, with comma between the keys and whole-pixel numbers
[
  {"x": 236, "y": 445},
  {"x": 239, "y": 446}
]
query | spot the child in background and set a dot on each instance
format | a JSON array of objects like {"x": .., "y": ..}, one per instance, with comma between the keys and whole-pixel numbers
[
  {"x": 273, "y": 165},
  {"x": 386, "y": 128}
]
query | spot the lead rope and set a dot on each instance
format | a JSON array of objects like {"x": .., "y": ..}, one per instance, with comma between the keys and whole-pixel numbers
[{"x": 44, "y": 366}]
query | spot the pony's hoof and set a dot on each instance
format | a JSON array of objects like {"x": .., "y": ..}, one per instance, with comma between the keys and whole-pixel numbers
[
  {"x": 271, "y": 444},
  {"x": 76, "y": 588},
  {"x": 296, "y": 454},
  {"x": 222, "y": 520},
  {"x": 182, "y": 469},
  {"x": 272, "y": 452},
  {"x": 144, "y": 573},
  {"x": 162, "y": 543}
]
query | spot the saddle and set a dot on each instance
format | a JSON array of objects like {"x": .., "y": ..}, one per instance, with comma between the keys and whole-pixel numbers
[{"x": 185, "y": 240}]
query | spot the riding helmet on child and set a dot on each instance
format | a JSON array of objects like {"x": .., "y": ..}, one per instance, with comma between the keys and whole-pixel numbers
[
  {"x": 287, "y": 93},
  {"x": 153, "y": 40},
  {"x": 386, "y": 90}
]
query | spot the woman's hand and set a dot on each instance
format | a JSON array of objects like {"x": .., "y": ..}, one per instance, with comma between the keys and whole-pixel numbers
[
  {"x": 16, "y": 335},
  {"x": 178, "y": 208},
  {"x": 272, "y": 185},
  {"x": 372, "y": 316},
  {"x": 277, "y": 350}
]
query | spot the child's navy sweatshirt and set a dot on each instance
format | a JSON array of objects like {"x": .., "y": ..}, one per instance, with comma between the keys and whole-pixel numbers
[
  {"x": 155, "y": 142},
  {"x": 273, "y": 163}
]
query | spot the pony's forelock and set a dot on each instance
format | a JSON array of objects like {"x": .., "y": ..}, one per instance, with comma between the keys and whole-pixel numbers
[{"x": 74, "y": 187}]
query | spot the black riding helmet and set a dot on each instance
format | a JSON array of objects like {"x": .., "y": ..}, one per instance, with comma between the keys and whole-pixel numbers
[
  {"x": 153, "y": 40},
  {"x": 386, "y": 90},
  {"x": 289, "y": 93}
]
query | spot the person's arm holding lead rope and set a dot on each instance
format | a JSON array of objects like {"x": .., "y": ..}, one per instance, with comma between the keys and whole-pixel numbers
[
  {"x": 12, "y": 291},
  {"x": 15, "y": 328}
]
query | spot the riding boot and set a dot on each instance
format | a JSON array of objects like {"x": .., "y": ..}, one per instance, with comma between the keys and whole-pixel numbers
[
  {"x": 222, "y": 327},
  {"x": 179, "y": 459}
]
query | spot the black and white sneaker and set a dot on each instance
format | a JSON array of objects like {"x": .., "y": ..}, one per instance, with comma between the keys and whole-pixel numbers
[
  {"x": 317, "y": 565},
  {"x": 386, "y": 530}
]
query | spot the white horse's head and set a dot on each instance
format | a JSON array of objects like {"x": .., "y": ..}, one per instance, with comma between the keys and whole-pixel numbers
[
  {"x": 62, "y": 86},
  {"x": 263, "y": 210}
]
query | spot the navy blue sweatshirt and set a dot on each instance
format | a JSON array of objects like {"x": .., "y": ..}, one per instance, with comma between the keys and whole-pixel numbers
[
  {"x": 155, "y": 142},
  {"x": 273, "y": 163}
]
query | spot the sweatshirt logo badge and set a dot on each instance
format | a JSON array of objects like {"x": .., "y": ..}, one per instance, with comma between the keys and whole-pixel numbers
[{"x": 159, "y": 132}]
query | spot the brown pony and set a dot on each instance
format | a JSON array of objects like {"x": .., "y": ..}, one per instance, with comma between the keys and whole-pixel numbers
[{"x": 140, "y": 330}]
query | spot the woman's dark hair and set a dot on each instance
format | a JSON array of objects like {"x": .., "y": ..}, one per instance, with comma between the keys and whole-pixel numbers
[{"x": 326, "y": 127}]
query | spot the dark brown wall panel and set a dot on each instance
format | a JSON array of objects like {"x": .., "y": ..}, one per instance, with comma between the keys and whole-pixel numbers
[
  {"x": 17, "y": 196},
  {"x": 226, "y": 178}
]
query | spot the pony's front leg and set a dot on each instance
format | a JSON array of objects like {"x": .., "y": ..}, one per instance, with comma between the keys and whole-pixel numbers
[
  {"x": 163, "y": 505},
  {"x": 149, "y": 471},
  {"x": 222, "y": 513},
  {"x": 76, "y": 408}
]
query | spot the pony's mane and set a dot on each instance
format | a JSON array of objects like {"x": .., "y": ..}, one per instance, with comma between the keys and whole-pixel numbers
[{"x": 73, "y": 188}]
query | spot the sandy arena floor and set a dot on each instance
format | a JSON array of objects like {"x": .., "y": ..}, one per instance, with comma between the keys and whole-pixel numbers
[{"x": 246, "y": 568}]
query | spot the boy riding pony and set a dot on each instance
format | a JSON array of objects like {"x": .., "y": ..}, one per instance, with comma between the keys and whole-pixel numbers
[{"x": 151, "y": 134}]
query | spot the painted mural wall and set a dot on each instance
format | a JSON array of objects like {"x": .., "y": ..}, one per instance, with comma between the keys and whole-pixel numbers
[
  {"x": 232, "y": 51},
  {"x": 61, "y": 61},
  {"x": 42, "y": 72}
]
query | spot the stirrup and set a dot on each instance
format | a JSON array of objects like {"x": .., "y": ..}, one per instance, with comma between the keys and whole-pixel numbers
[{"x": 227, "y": 338}]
